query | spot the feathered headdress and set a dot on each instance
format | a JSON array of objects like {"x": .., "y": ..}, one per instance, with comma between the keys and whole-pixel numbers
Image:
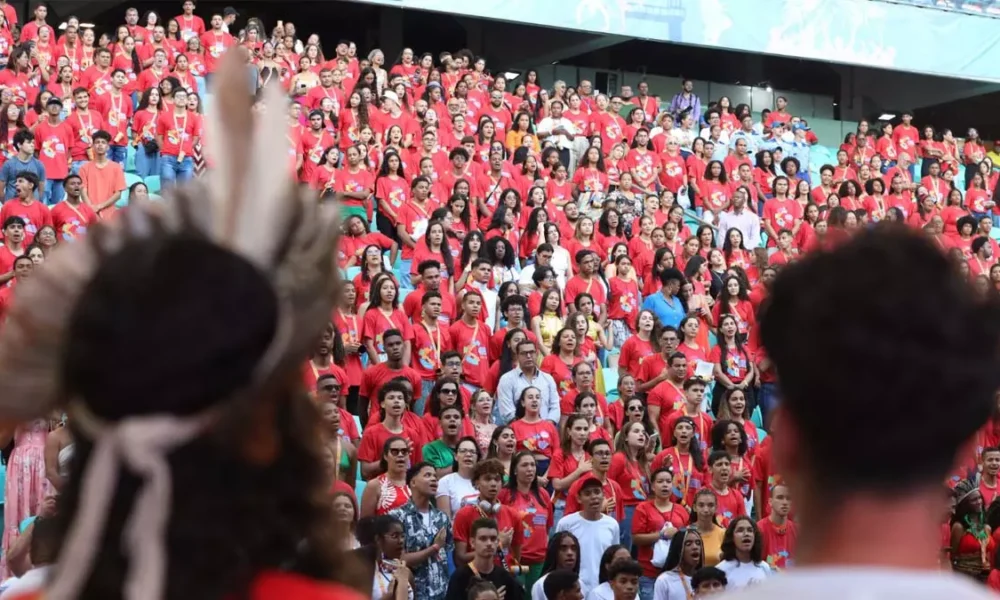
[{"x": 250, "y": 206}]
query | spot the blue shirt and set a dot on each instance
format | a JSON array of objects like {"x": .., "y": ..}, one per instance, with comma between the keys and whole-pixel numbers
[
  {"x": 667, "y": 314},
  {"x": 13, "y": 166}
]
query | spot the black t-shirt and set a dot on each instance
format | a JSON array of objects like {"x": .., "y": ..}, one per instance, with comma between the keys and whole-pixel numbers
[{"x": 464, "y": 578}]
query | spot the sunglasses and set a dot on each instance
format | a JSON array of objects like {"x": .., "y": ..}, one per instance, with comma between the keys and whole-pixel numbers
[
  {"x": 449, "y": 391},
  {"x": 399, "y": 451}
]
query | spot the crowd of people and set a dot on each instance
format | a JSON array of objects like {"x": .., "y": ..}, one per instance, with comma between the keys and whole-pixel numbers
[{"x": 545, "y": 376}]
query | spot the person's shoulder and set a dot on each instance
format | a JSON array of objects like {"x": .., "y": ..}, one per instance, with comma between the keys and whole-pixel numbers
[
  {"x": 853, "y": 582},
  {"x": 289, "y": 585}
]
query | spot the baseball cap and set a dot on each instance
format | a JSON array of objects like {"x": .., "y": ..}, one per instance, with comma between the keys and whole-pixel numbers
[
  {"x": 229, "y": 10},
  {"x": 390, "y": 95}
]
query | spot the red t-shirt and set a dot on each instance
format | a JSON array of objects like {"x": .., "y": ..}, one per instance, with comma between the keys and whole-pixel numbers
[
  {"x": 540, "y": 437},
  {"x": 625, "y": 301},
  {"x": 428, "y": 345},
  {"x": 71, "y": 222},
  {"x": 561, "y": 465},
  {"x": 577, "y": 285},
  {"x": 730, "y": 505},
  {"x": 53, "y": 143},
  {"x": 630, "y": 478},
  {"x": 375, "y": 377},
  {"x": 560, "y": 372},
  {"x": 473, "y": 344},
  {"x": 778, "y": 543},
  {"x": 413, "y": 305},
  {"x": 215, "y": 45},
  {"x": 507, "y": 518},
  {"x": 349, "y": 327},
  {"x": 670, "y": 398},
  {"x": 82, "y": 128},
  {"x": 703, "y": 426},
  {"x": 375, "y": 435},
  {"x": 536, "y": 521},
  {"x": 649, "y": 519},
  {"x": 375, "y": 323},
  {"x": 178, "y": 133},
  {"x": 36, "y": 215},
  {"x": 635, "y": 353}
]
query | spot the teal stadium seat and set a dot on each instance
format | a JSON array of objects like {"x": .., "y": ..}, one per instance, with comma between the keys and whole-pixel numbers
[
  {"x": 351, "y": 273},
  {"x": 610, "y": 384},
  {"x": 359, "y": 483},
  {"x": 153, "y": 184},
  {"x": 131, "y": 179},
  {"x": 129, "y": 159}
]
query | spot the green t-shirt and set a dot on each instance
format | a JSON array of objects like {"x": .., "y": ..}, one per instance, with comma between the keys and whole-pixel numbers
[{"x": 439, "y": 455}]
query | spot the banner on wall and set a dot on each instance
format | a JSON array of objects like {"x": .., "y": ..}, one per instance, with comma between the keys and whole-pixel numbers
[{"x": 858, "y": 32}]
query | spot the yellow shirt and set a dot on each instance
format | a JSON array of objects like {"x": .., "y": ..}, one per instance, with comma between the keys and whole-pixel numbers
[
  {"x": 514, "y": 141},
  {"x": 713, "y": 546}
]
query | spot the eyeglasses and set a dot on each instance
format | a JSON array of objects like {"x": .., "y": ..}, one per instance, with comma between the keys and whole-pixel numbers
[
  {"x": 465, "y": 451},
  {"x": 399, "y": 451}
]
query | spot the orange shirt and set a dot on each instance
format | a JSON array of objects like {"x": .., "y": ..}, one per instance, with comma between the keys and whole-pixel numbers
[{"x": 102, "y": 182}]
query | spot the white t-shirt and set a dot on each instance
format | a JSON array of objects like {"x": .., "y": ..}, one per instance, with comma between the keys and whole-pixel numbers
[
  {"x": 538, "y": 589},
  {"x": 603, "y": 592},
  {"x": 32, "y": 581},
  {"x": 741, "y": 575},
  {"x": 670, "y": 586},
  {"x": 595, "y": 537},
  {"x": 857, "y": 583},
  {"x": 458, "y": 490}
]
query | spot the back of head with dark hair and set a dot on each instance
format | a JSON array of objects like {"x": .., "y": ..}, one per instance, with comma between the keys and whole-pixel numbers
[
  {"x": 890, "y": 309},
  {"x": 559, "y": 581}
]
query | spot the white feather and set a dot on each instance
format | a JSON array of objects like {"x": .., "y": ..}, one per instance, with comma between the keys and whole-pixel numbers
[{"x": 263, "y": 219}]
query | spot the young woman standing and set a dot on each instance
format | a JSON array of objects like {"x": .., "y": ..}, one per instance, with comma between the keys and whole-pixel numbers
[
  {"x": 630, "y": 468},
  {"x": 703, "y": 521},
  {"x": 656, "y": 519}
]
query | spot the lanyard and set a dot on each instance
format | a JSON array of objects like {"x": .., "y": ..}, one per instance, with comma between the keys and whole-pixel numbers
[
  {"x": 89, "y": 124},
  {"x": 686, "y": 471},
  {"x": 352, "y": 331},
  {"x": 436, "y": 346},
  {"x": 83, "y": 220}
]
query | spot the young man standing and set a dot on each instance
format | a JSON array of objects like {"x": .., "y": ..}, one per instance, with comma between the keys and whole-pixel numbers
[
  {"x": 777, "y": 532},
  {"x": 600, "y": 453},
  {"x": 428, "y": 534},
  {"x": 595, "y": 530},
  {"x": 485, "y": 537},
  {"x": 729, "y": 503},
  {"x": 488, "y": 479},
  {"x": 83, "y": 124},
  {"x": 22, "y": 162},
  {"x": 430, "y": 281},
  {"x": 72, "y": 216},
  {"x": 191, "y": 25},
  {"x": 116, "y": 108},
  {"x": 54, "y": 139},
  {"x": 215, "y": 43},
  {"x": 988, "y": 479},
  {"x": 375, "y": 377},
  {"x": 176, "y": 133},
  {"x": 35, "y": 214},
  {"x": 22, "y": 269},
  {"x": 12, "y": 248},
  {"x": 103, "y": 179},
  {"x": 889, "y": 278},
  {"x": 668, "y": 395},
  {"x": 514, "y": 309},
  {"x": 471, "y": 338},
  {"x": 430, "y": 340}
]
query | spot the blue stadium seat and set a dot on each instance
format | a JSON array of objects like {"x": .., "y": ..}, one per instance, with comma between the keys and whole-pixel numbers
[
  {"x": 761, "y": 435},
  {"x": 351, "y": 273},
  {"x": 757, "y": 419},
  {"x": 153, "y": 183}
]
